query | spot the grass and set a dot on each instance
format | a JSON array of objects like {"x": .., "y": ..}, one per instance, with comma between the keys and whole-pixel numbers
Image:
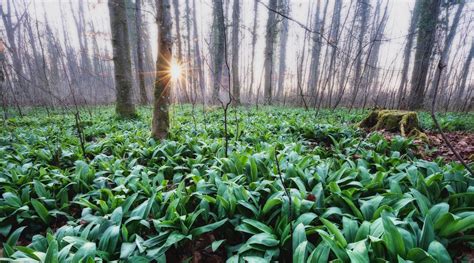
[{"x": 353, "y": 197}]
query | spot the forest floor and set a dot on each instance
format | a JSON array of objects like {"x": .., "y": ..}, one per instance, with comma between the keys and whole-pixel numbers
[{"x": 293, "y": 185}]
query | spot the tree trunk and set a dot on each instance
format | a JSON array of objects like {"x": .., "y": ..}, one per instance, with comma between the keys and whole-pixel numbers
[
  {"x": 182, "y": 85},
  {"x": 464, "y": 75},
  {"x": 197, "y": 55},
  {"x": 448, "y": 42},
  {"x": 407, "y": 53},
  {"x": 160, "y": 121},
  {"x": 363, "y": 13},
  {"x": 235, "y": 52},
  {"x": 122, "y": 63},
  {"x": 140, "y": 52},
  {"x": 254, "y": 42},
  {"x": 270, "y": 36},
  {"x": 285, "y": 9},
  {"x": 429, "y": 11},
  {"x": 217, "y": 48}
]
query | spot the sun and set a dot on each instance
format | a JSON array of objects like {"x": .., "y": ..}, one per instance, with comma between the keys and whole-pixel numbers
[{"x": 175, "y": 70}]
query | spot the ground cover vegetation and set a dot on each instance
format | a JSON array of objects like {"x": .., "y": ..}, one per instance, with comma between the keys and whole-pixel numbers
[{"x": 295, "y": 186}]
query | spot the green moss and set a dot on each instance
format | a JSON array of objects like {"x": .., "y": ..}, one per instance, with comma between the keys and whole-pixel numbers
[{"x": 405, "y": 122}]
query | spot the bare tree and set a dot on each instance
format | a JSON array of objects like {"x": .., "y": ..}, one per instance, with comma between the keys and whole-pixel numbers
[
  {"x": 197, "y": 56},
  {"x": 285, "y": 9},
  {"x": 407, "y": 52},
  {"x": 363, "y": 15},
  {"x": 160, "y": 121},
  {"x": 217, "y": 47},
  {"x": 429, "y": 11},
  {"x": 140, "y": 53},
  {"x": 270, "y": 36},
  {"x": 235, "y": 52},
  {"x": 122, "y": 61},
  {"x": 254, "y": 42},
  {"x": 464, "y": 76}
]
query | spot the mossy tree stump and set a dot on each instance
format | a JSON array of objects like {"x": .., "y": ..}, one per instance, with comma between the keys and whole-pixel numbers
[{"x": 405, "y": 122}]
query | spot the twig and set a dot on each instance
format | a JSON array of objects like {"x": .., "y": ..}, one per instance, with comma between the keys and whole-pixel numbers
[
  {"x": 440, "y": 68},
  {"x": 287, "y": 193}
]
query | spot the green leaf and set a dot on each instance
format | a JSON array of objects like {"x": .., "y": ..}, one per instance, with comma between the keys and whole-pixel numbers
[
  {"x": 13, "y": 238},
  {"x": 335, "y": 247},
  {"x": 253, "y": 227},
  {"x": 28, "y": 251},
  {"x": 335, "y": 231},
  {"x": 418, "y": 255},
  {"x": 427, "y": 233},
  {"x": 41, "y": 210},
  {"x": 127, "y": 249},
  {"x": 299, "y": 236},
  {"x": 207, "y": 228},
  {"x": 458, "y": 225},
  {"x": 52, "y": 255},
  {"x": 109, "y": 239},
  {"x": 439, "y": 252},
  {"x": 299, "y": 254},
  {"x": 12, "y": 199},
  {"x": 320, "y": 254},
  {"x": 270, "y": 204},
  {"x": 216, "y": 244},
  {"x": 359, "y": 253},
  {"x": 392, "y": 237},
  {"x": 86, "y": 251}
]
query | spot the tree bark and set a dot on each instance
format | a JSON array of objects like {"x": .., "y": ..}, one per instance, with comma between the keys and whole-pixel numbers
[
  {"x": 363, "y": 13},
  {"x": 160, "y": 121},
  {"x": 197, "y": 56},
  {"x": 254, "y": 42},
  {"x": 122, "y": 63},
  {"x": 270, "y": 36},
  {"x": 235, "y": 52},
  {"x": 429, "y": 11},
  {"x": 140, "y": 53},
  {"x": 217, "y": 48},
  {"x": 407, "y": 53},
  {"x": 285, "y": 9},
  {"x": 464, "y": 75}
]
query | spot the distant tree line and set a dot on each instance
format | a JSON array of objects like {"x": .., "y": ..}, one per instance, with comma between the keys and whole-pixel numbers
[{"x": 338, "y": 62}]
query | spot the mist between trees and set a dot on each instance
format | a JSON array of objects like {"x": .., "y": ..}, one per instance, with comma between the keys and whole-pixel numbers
[{"x": 335, "y": 54}]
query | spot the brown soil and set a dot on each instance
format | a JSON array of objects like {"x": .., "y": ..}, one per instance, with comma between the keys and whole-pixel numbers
[{"x": 462, "y": 142}]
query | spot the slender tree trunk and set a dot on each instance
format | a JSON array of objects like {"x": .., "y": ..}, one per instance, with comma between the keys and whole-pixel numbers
[
  {"x": 182, "y": 85},
  {"x": 160, "y": 121},
  {"x": 463, "y": 86},
  {"x": 316, "y": 46},
  {"x": 429, "y": 11},
  {"x": 197, "y": 56},
  {"x": 140, "y": 53},
  {"x": 122, "y": 61},
  {"x": 254, "y": 42},
  {"x": 285, "y": 9},
  {"x": 217, "y": 48},
  {"x": 407, "y": 53},
  {"x": 235, "y": 52},
  {"x": 363, "y": 14},
  {"x": 270, "y": 37}
]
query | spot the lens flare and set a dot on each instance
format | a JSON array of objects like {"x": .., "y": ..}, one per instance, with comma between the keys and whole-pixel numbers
[{"x": 175, "y": 70}]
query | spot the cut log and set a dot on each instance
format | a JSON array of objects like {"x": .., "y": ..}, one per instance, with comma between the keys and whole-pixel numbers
[{"x": 404, "y": 122}]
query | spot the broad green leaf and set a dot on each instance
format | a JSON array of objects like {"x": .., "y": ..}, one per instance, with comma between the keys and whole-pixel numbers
[
  {"x": 439, "y": 252},
  {"x": 41, "y": 210},
  {"x": 335, "y": 231},
  {"x": 392, "y": 237},
  {"x": 207, "y": 228}
]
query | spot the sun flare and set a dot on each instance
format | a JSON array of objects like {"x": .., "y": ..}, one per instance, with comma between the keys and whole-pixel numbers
[{"x": 175, "y": 70}]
